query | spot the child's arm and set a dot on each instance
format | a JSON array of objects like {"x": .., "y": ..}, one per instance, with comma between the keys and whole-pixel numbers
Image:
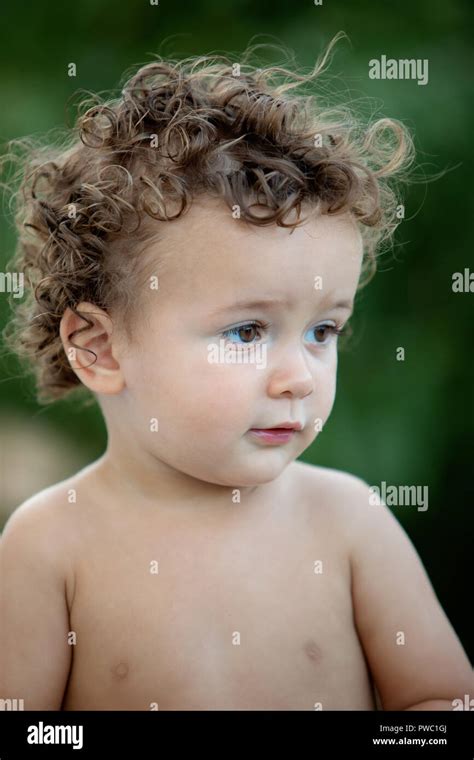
[
  {"x": 35, "y": 656},
  {"x": 414, "y": 654}
]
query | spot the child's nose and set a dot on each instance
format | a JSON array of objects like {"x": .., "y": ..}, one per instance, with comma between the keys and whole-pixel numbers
[{"x": 291, "y": 374}]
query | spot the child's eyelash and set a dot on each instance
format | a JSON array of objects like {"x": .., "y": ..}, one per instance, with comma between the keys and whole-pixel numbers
[
  {"x": 335, "y": 329},
  {"x": 246, "y": 325}
]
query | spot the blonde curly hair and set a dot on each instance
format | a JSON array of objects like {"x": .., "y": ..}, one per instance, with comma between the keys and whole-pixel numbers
[{"x": 204, "y": 125}]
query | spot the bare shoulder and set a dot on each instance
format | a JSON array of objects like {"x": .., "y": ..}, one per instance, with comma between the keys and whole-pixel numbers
[
  {"x": 34, "y": 536},
  {"x": 42, "y": 530},
  {"x": 340, "y": 499},
  {"x": 49, "y": 511},
  {"x": 331, "y": 489},
  {"x": 37, "y": 587},
  {"x": 45, "y": 513},
  {"x": 350, "y": 501}
]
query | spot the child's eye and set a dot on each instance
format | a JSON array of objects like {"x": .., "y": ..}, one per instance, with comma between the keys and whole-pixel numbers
[
  {"x": 243, "y": 331},
  {"x": 321, "y": 331}
]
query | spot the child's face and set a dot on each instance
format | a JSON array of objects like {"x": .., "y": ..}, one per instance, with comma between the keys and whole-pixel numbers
[{"x": 205, "y": 410}]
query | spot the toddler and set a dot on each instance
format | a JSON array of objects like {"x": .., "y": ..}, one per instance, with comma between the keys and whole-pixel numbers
[{"x": 193, "y": 251}]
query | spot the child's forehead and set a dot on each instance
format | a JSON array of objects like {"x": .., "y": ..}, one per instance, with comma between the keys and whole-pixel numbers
[
  {"x": 209, "y": 241},
  {"x": 213, "y": 260}
]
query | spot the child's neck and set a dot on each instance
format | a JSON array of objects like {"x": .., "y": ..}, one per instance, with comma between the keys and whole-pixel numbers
[{"x": 149, "y": 480}]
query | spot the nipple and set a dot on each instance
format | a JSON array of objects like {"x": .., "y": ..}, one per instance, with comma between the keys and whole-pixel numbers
[
  {"x": 120, "y": 671},
  {"x": 313, "y": 651}
]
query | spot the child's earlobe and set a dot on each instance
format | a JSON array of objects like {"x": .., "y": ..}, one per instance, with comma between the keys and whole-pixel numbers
[{"x": 86, "y": 334}]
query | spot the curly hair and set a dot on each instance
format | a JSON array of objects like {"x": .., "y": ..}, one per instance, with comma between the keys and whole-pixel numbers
[{"x": 204, "y": 125}]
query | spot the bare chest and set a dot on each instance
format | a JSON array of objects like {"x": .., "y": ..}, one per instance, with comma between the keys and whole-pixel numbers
[{"x": 174, "y": 618}]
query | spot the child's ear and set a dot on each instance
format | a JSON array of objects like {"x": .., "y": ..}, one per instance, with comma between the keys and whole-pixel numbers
[{"x": 101, "y": 375}]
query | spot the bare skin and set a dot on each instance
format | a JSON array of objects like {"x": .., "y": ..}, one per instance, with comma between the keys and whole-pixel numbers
[
  {"x": 248, "y": 570},
  {"x": 279, "y": 585},
  {"x": 312, "y": 636}
]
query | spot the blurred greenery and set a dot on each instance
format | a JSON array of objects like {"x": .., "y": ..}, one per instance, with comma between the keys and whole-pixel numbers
[{"x": 405, "y": 422}]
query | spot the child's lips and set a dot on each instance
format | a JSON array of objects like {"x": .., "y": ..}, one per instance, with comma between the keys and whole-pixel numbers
[
  {"x": 274, "y": 435},
  {"x": 286, "y": 425}
]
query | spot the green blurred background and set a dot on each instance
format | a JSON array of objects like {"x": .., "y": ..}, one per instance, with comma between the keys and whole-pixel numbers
[{"x": 405, "y": 423}]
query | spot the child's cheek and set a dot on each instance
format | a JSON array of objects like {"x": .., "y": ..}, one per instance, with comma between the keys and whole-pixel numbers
[{"x": 223, "y": 396}]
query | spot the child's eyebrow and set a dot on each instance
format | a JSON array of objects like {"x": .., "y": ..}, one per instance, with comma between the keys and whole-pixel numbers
[{"x": 268, "y": 303}]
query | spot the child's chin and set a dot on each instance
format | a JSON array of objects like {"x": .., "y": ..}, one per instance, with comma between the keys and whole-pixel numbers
[{"x": 258, "y": 476}]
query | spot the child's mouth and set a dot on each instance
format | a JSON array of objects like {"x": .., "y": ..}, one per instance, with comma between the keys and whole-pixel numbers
[{"x": 273, "y": 435}]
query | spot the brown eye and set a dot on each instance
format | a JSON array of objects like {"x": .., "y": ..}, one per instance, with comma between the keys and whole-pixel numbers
[
  {"x": 322, "y": 331},
  {"x": 247, "y": 333},
  {"x": 243, "y": 333}
]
